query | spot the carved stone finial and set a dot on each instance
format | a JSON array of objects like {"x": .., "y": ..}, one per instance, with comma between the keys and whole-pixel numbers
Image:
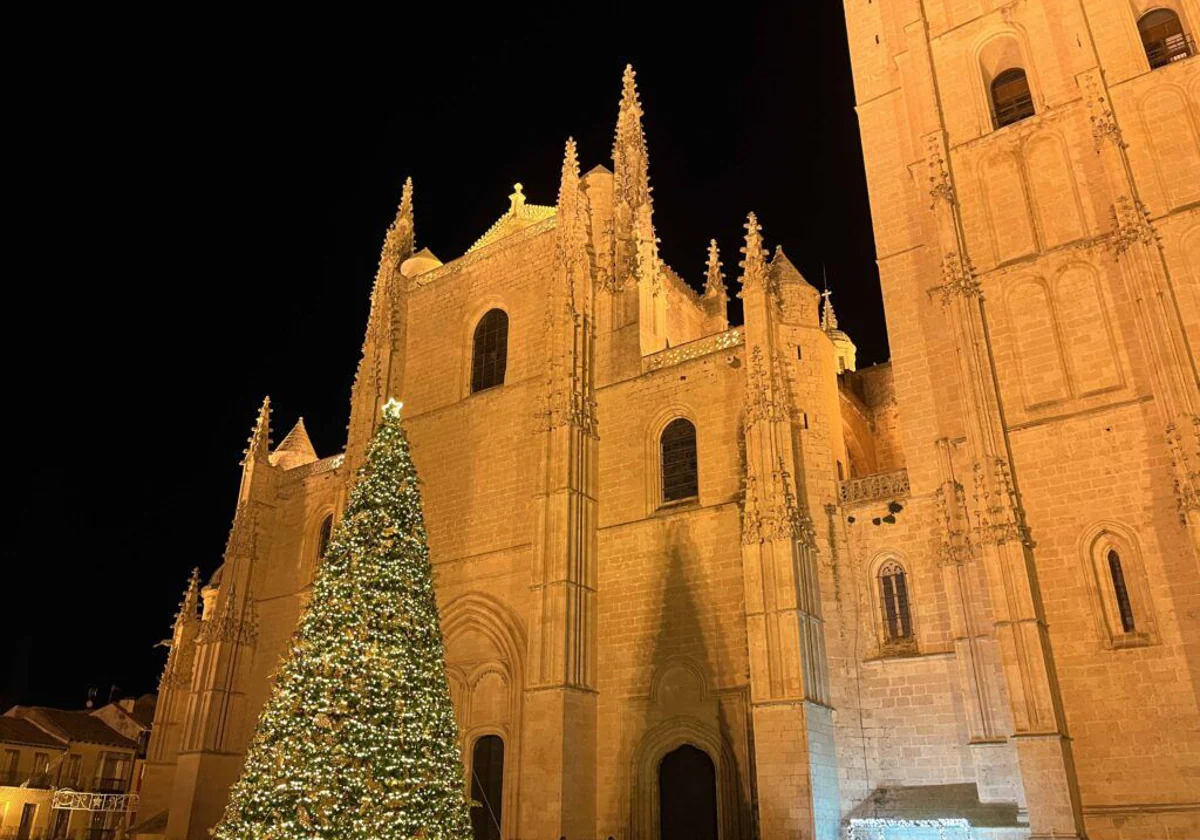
[
  {"x": 714, "y": 286},
  {"x": 828, "y": 316},
  {"x": 516, "y": 200},
  {"x": 754, "y": 261}
]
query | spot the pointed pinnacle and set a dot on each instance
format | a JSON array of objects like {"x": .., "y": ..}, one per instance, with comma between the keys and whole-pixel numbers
[
  {"x": 715, "y": 282},
  {"x": 259, "y": 444},
  {"x": 406, "y": 196},
  {"x": 828, "y": 316},
  {"x": 570, "y": 171},
  {"x": 629, "y": 91}
]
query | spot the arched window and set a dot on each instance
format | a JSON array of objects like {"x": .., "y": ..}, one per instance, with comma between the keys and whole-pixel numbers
[
  {"x": 1121, "y": 591},
  {"x": 894, "y": 604},
  {"x": 489, "y": 355},
  {"x": 1163, "y": 38},
  {"x": 1011, "y": 98},
  {"x": 323, "y": 536},
  {"x": 680, "y": 479},
  {"x": 487, "y": 787}
]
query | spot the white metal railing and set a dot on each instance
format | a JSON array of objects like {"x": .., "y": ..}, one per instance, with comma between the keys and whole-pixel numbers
[{"x": 75, "y": 800}]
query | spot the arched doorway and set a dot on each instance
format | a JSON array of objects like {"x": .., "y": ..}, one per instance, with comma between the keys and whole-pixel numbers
[{"x": 687, "y": 795}]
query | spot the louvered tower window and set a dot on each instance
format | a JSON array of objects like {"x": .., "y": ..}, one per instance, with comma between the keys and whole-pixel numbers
[
  {"x": 680, "y": 478},
  {"x": 1124, "y": 607},
  {"x": 1163, "y": 38},
  {"x": 489, "y": 357},
  {"x": 893, "y": 600},
  {"x": 1012, "y": 100}
]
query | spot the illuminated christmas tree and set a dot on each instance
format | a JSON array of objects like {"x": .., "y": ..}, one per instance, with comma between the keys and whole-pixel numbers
[{"x": 358, "y": 740}]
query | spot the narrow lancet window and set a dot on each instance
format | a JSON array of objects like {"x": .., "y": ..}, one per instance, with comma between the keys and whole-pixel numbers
[
  {"x": 893, "y": 598},
  {"x": 680, "y": 479},
  {"x": 1124, "y": 607},
  {"x": 489, "y": 358},
  {"x": 323, "y": 536}
]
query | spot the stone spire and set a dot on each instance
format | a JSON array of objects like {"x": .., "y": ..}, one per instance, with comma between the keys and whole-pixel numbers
[
  {"x": 716, "y": 299},
  {"x": 631, "y": 162},
  {"x": 754, "y": 257},
  {"x": 570, "y": 399},
  {"x": 714, "y": 285},
  {"x": 635, "y": 258},
  {"x": 400, "y": 240},
  {"x": 828, "y": 317},
  {"x": 295, "y": 449},
  {"x": 191, "y": 598},
  {"x": 258, "y": 447}
]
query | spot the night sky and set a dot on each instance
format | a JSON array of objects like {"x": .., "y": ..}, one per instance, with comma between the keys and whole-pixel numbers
[{"x": 201, "y": 213}]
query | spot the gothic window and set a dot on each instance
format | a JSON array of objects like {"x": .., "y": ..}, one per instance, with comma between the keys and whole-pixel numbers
[
  {"x": 680, "y": 479},
  {"x": 487, "y": 787},
  {"x": 489, "y": 356},
  {"x": 894, "y": 604},
  {"x": 1012, "y": 100},
  {"x": 1121, "y": 602},
  {"x": 1163, "y": 38},
  {"x": 1121, "y": 591},
  {"x": 323, "y": 536}
]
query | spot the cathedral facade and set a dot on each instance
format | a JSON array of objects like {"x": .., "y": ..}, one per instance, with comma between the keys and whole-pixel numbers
[{"x": 714, "y": 576}]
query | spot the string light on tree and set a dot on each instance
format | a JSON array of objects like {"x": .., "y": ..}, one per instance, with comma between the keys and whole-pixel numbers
[{"x": 358, "y": 740}]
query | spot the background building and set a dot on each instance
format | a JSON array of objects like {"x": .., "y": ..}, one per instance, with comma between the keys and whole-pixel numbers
[
  {"x": 69, "y": 775},
  {"x": 700, "y": 581}
]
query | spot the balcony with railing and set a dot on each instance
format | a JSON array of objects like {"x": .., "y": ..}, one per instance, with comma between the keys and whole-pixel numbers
[
  {"x": 108, "y": 785},
  {"x": 869, "y": 488}
]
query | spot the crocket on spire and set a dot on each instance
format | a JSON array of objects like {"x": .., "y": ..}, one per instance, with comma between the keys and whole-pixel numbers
[
  {"x": 400, "y": 241},
  {"x": 258, "y": 447}
]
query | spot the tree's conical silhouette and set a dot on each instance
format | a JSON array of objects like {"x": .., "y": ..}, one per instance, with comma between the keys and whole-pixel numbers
[{"x": 358, "y": 740}]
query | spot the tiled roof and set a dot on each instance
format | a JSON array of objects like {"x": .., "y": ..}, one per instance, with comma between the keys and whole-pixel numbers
[
  {"x": 14, "y": 730},
  {"x": 74, "y": 726}
]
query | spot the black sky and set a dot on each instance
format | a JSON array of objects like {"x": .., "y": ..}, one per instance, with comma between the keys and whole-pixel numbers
[{"x": 201, "y": 208}]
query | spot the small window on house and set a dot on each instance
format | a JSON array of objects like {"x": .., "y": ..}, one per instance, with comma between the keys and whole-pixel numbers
[
  {"x": 489, "y": 357},
  {"x": 1011, "y": 98},
  {"x": 323, "y": 537},
  {"x": 893, "y": 601},
  {"x": 1163, "y": 38},
  {"x": 679, "y": 467},
  {"x": 1124, "y": 607}
]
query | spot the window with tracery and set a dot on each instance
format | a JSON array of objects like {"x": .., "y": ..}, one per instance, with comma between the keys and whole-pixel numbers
[
  {"x": 894, "y": 603},
  {"x": 489, "y": 354},
  {"x": 680, "y": 474}
]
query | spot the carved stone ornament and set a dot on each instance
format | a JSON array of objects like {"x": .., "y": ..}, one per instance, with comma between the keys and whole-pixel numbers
[
  {"x": 958, "y": 278},
  {"x": 997, "y": 518},
  {"x": 941, "y": 188},
  {"x": 1131, "y": 225},
  {"x": 1186, "y": 467},
  {"x": 1103, "y": 120},
  {"x": 955, "y": 547}
]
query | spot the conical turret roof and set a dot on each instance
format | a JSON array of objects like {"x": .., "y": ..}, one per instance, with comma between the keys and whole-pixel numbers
[{"x": 295, "y": 449}]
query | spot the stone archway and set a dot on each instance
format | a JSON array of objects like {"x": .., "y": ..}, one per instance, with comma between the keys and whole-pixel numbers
[
  {"x": 687, "y": 795},
  {"x": 663, "y": 740}
]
